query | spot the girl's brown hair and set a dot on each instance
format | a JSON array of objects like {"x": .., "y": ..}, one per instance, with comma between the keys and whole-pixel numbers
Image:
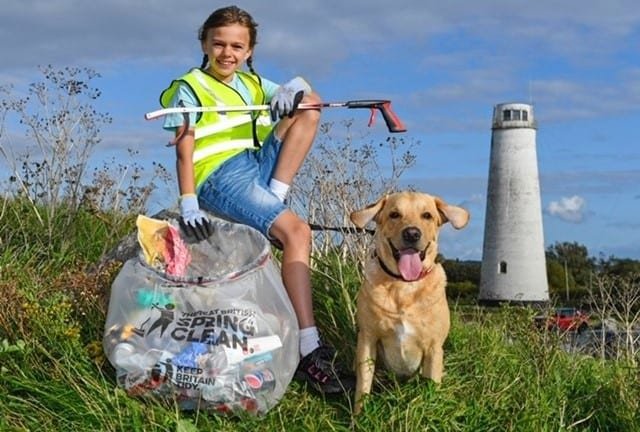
[{"x": 227, "y": 16}]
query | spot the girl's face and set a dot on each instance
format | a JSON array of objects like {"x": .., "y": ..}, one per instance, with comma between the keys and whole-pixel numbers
[{"x": 227, "y": 47}]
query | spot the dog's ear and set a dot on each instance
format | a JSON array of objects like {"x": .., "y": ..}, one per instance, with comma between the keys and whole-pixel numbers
[
  {"x": 362, "y": 217},
  {"x": 458, "y": 216}
]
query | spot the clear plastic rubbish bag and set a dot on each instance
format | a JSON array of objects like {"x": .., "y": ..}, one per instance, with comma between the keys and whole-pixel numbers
[{"x": 218, "y": 334}]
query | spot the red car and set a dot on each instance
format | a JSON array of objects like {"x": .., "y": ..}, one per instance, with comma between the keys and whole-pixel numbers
[{"x": 565, "y": 319}]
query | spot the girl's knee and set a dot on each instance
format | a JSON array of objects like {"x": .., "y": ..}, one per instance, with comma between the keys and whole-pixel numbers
[
  {"x": 301, "y": 231},
  {"x": 313, "y": 98},
  {"x": 298, "y": 234},
  {"x": 290, "y": 229},
  {"x": 311, "y": 114}
]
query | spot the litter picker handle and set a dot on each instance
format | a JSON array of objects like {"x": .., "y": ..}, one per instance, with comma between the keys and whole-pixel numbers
[
  {"x": 182, "y": 110},
  {"x": 394, "y": 124}
]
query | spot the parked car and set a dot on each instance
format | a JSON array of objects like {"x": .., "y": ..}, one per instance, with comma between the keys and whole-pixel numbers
[{"x": 564, "y": 319}]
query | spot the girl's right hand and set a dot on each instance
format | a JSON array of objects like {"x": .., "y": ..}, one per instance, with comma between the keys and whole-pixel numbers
[{"x": 194, "y": 223}]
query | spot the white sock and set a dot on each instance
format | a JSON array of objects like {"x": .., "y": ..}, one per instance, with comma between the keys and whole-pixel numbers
[
  {"x": 309, "y": 340},
  {"x": 279, "y": 188}
]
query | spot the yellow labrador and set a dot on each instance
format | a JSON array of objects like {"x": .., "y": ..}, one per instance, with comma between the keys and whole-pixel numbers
[{"x": 402, "y": 310}]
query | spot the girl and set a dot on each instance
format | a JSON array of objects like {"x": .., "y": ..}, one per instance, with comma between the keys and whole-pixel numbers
[{"x": 240, "y": 166}]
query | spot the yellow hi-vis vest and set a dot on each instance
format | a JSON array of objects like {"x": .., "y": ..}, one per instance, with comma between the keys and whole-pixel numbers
[{"x": 221, "y": 135}]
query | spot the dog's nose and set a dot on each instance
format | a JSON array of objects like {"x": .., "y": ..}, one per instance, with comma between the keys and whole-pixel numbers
[{"x": 411, "y": 234}]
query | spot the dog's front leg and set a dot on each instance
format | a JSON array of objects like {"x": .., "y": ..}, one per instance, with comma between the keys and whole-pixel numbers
[
  {"x": 433, "y": 363},
  {"x": 365, "y": 366}
]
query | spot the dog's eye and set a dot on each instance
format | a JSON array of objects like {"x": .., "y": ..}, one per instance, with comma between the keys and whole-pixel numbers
[
  {"x": 394, "y": 215},
  {"x": 427, "y": 216}
]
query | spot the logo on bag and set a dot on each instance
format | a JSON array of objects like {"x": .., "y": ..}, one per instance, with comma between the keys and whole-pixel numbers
[
  {"x": 228, "y": 327},
  {"x": 166, "y": 317}
]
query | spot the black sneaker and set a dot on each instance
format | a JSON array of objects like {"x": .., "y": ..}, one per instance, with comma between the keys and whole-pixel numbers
[{"x": 320, "y": 370}]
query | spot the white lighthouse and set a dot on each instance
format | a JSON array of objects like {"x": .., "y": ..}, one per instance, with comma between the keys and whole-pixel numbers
[{"x": 513, "y": 259}]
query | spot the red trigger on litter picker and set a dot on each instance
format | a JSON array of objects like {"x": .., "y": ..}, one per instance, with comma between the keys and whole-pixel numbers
[{"x": 372, "y": 117}]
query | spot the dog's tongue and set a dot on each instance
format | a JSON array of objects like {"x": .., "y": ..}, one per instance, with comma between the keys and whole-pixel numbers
[{"x": 410, "y": 264}]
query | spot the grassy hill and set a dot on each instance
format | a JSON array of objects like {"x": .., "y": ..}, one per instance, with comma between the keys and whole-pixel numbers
[{"x": 502, "y": 374}]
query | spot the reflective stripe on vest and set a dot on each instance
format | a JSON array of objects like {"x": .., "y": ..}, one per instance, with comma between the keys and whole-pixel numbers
[
  {"x": 220, "y": 135},
  {"x": 239, "y": 144}
]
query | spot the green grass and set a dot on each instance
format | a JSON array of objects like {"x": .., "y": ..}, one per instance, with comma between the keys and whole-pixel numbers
[{"x": 501, "y": 374}]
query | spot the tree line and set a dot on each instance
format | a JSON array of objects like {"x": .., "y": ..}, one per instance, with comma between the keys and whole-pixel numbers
[{"x": 570, "y": 272}]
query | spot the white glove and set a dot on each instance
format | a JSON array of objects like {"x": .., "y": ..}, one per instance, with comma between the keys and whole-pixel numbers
[
  {"x": 193, "y": 221},
  {"x": 287, "y": 97}
]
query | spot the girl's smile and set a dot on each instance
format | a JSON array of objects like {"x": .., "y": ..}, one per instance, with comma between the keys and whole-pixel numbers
[{"x": 228, "y": 48}]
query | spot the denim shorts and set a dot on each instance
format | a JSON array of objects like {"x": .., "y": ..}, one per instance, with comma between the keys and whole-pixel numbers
[{"x": 238, "y": 190}]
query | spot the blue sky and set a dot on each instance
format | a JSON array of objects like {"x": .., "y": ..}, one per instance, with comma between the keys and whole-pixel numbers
[{"x": 443, "y": 64}]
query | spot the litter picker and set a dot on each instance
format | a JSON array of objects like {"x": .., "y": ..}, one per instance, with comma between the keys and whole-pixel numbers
[{"x": 394, "y": 124}]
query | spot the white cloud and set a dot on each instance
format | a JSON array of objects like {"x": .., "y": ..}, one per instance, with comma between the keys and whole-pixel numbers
[{"x": 570, "y": 209}]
